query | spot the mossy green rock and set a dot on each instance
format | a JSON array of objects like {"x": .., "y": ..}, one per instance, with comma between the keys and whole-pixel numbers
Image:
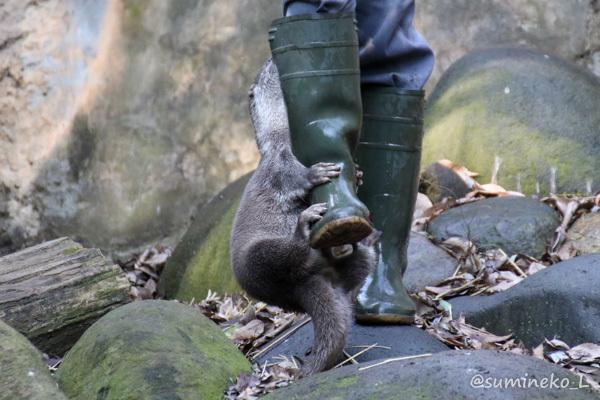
[
  {"x": 535, "y": 114},
  {"x": 23, "y": 373},
  {"x": 445, "y": 375},
  {"x": 201, "y": 259},
  {"x": 148, "y": 350},
  {"x": 517, "y": 225}
]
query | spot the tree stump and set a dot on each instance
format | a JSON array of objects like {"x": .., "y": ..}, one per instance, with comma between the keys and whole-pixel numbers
[{"x": 54, "y": 291}]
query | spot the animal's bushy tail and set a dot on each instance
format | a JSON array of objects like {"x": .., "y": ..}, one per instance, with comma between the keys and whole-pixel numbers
[{"x": 331, "y": 313}]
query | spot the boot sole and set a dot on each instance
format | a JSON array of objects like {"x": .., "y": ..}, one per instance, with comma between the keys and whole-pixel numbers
[
  {"x": 341, "y": 231},
  {"x": 385, "y": 319}
]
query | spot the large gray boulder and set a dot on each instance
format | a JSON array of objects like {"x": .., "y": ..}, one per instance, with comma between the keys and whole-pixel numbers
[
  {"x": 119, "y": 118},
  {"x": 23, "y": 372},
  {"x": 427, "y": 265},
  {"x": 534, "y": 115},
  {"x": 453, "y": 28},
  {"x": 392, "y": 341},
  {"x": 152, "y": 349},
  {"x": 518, "y": 225},
  {"x": 560, "y": 301},
  {"x": 481, "y": 374}
]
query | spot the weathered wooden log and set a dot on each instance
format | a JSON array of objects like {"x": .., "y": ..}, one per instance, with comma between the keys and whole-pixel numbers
[{"x": 54, "y": 291}]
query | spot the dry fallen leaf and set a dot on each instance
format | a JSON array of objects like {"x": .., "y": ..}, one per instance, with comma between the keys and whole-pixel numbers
[
  {"x": 557, "y": 344},
  {"x": 422, "y": 205},
  {"x": 458, "y": 246},
  {"x": 460, "y": 170},
  {"x": 488, "y": 340},
  {"x": 491, "y": 190},
  {"x": 535, "y": 267},
  {"x": 585, "y": 353},
  {"x": 538, "y": 352},
  {"x": 567, "y": 251},
  {"x": 558, "y": 356},
  {"x": 250, "y": 331},
  {"x": 151, "y": 285},
  {"x": 143, "y": 271}
]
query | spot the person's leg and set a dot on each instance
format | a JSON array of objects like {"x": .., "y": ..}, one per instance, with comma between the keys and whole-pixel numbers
[
  {"x": 389, "y": 154},
  {"x": 395, "y": 63},
  {"x": 296, "y": 7},
  {"x": 316, "y": 55},
  {"x": 392, "y": 52}
]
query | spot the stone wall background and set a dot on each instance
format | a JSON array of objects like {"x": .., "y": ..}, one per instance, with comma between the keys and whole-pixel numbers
[
  {"x": 569, "y": 29},
  {"x": 118, "y": 118}
]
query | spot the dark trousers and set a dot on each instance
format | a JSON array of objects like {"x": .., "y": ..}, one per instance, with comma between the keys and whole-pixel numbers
[{"x": 392, "y": 52}]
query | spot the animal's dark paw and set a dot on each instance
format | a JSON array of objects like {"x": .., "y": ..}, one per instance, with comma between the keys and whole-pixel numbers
[
  {"x": 309, "y": 216},
  {"x": 359, "y": 175},
  {"x": 322, "y": 173}
]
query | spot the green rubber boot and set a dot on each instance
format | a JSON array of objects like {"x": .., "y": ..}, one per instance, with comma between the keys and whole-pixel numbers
[
  {"x": 389, "y": 153},
  {"x": 317, "y": 59}
]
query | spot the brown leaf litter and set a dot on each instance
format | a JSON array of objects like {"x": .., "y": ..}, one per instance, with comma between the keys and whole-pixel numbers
[{"x": 143, "y": 271}]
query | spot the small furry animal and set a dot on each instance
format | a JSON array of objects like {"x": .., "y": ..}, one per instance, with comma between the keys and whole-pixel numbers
[{"x": 270, "y": 253}]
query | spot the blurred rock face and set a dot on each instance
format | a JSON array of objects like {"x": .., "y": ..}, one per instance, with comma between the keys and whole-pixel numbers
[
  {"x": 568, "y": 29},
  {"x": 118, "y": 118}
]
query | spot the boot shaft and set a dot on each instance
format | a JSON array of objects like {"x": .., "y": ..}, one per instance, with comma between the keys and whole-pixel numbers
[
  {"x": 390, "y": 144},
  {"x": 312, "y": 45},
  {"x": 317, "y": 60},
  {"x": 389, "y": 155}
]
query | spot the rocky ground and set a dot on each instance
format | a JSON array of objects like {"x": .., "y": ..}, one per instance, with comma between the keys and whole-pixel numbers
[
  {"x": 508, "y": 239},
  {"x": 506, "y": 293}
]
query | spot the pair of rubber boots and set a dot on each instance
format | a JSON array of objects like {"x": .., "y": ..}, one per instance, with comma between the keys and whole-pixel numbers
[{"x": 317, "y": 59}]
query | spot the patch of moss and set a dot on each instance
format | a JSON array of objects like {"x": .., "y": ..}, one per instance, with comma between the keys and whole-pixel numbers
[
  {"x": 470, "y": 134},
  {"x": 347, "y": 381},
  {"x": 210, "y": 266},
  {"x": 201, "y": 259},
  {"x": 70, "y": 251},
  {"x": 133, "y": 24}
]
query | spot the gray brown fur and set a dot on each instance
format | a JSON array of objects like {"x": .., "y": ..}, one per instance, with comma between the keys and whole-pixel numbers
[{"x": 270, "y": 254}]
